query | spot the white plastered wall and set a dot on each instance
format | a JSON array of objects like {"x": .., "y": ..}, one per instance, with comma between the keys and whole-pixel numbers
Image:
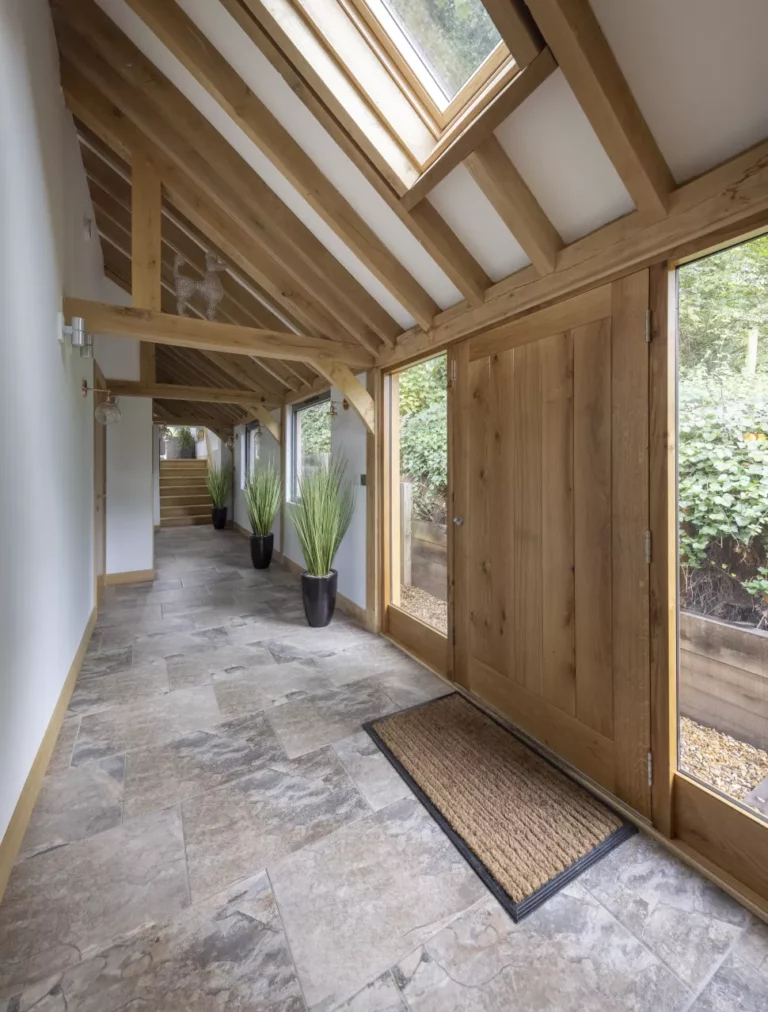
[{"x": 46, "y": 509}]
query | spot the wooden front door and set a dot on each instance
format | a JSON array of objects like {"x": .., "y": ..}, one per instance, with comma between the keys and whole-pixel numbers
[{"x": 551, "y": 574}]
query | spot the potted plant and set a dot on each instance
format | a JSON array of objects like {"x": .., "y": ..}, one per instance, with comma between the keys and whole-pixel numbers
[
  {"x": 186, "y": 443},
  {"x": 322, "y": 517},
  {"x": 219, "y": 482},
  {"x": 263, "y": 494}
]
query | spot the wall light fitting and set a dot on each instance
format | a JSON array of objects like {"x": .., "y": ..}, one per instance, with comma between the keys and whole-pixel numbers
[
  {"x": 108, "y": 412},
  {"x": 78, "y": 336}
]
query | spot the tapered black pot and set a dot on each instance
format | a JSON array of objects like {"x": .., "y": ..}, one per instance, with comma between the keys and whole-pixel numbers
[
  {"x": 219, "y": 517},
  {"x": 261, "y": 550},
  {"x": 319, "y": 595}
]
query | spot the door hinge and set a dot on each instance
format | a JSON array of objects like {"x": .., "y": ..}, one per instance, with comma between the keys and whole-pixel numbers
[
  {"x": 648, "y": 325},
  {"x": 649, "y": 763},
  {"x": 452, "y": 371},
  {"x": 648, "y": 547}
]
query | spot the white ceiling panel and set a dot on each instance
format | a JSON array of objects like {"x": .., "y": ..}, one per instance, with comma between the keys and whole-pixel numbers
[
  {"x": 470, "y": 214},
  {"x": 556, "y": 151},
  {"x": 224, "y": 32},
  {"x": 699, "y": 72}
]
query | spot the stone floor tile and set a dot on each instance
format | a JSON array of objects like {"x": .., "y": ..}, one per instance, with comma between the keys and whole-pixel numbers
[
  {"x": 736, "y": 987},
  {"x": 407, "y": 686},
  {"x": 681, "y": 917},
  {"x": 362, "y": 899},
  {"x": 198, "y": 667},
  {"x": 147, "y": 678},
  {"x": 752, "y": 946},
  {"x": 75, "y": 804},
  {"x": 61, "y": 756},
  {"x": 148, "y": 721},
  {"x": 228, "y": 953},
  {"x": 232, "y": 831},
  {"x": 60, "y": 904},
  {"x": 381, "y": 995},
  {"x": 197, "y": 762},
  {"x": 323, "y": 717},
  {"x": 107, "y": 662},
  {"x": 241, "y": 691},
  {"x": 570, "y": 955},
  {"x": 373, "y": 774}
]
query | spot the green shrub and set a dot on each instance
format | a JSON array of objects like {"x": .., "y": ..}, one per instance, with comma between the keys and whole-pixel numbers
[{"x": 186, "y": 438}]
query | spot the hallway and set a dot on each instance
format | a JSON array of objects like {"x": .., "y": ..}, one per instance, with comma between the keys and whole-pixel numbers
[{"x": 215, "y": 831}]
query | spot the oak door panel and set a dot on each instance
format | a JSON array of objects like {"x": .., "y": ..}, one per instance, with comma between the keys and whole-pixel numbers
[{"x": 551, "y": 617}]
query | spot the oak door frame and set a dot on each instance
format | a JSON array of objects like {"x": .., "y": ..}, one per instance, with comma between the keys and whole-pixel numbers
[{"x": 703, "y": 823}]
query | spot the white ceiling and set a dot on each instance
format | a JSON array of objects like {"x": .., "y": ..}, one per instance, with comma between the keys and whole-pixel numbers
[
  {"x": 699, "y": 72},
  {"x": 696, "y": 67}
]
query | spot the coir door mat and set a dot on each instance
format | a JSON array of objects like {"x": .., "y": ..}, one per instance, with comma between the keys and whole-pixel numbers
[{"x": 525, "y": 827}]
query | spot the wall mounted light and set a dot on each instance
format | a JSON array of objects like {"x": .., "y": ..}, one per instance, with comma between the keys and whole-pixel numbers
[
  {"x": 108, "y": 411},
  {"x": 333, "y": 409},
  {"x": 78, "y": 335}
]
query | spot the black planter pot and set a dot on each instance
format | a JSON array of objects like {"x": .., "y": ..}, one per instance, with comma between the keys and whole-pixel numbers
[
  {"x": 219, "y": 517},
  {"x": 319, "y": 595},
  {"x": 187, "y": 453},
  {"x": 261, "y": 550}
]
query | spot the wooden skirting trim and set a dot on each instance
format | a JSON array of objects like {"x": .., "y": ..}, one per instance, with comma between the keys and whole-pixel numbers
[
  {"x": 134, "y": 576},
  {"x": 14, "y": 834}
]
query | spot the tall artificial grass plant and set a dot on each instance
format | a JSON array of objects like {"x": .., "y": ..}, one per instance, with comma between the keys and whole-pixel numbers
[
  {"x": 263, "y": 493},
  {"x": 323, "y": 514}
]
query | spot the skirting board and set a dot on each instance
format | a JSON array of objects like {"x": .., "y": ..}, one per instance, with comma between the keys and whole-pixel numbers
[
  {"x": 343, "y": 603},
  {"x": 14, "y": 834},
  {"x": 134, "y": 576}
]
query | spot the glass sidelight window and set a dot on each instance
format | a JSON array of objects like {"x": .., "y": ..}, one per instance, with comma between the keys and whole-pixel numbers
[
  {"x": 723, "y": 521},
  {"x": 310, "y": 440},
  {"x": 418, "y": 491}
]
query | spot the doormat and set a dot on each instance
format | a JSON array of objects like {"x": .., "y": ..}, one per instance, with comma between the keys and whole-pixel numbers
[{"x": 525, "y": 827}]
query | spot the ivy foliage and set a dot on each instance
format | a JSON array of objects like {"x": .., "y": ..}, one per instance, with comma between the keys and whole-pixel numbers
[
  {"x": 424, "y": 436},
  {"x": 316, "y": 429},
  {"x": 723, "y": 433}
]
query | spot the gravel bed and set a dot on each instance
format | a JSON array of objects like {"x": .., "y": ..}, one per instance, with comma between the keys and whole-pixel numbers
[
  {"x": 730, "y": 765},
  {"x": 422, "y": 605}
]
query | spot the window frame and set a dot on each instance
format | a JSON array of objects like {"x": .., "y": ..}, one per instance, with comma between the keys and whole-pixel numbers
[
  {"x": 247, "y": 465},
  {"x": 438, "y": 120},
  {"x": 293, "y": 456},
  {"x": 424, "y": 132}
]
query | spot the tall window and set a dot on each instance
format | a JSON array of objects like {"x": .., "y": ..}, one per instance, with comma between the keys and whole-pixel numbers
[
  {"x": 310, "y": 440},
  {"x": 251, "y": 451},
  {"x": 723, "y": 521}
]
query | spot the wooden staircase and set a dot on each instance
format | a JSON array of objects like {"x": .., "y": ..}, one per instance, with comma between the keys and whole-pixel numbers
[{"x": 184, "y": 498}]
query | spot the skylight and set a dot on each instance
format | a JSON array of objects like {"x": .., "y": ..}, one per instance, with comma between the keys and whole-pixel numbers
[{"x": 444, "y": 42}]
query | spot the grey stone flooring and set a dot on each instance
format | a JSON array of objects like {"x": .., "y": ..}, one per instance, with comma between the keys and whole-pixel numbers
[{"x": 215, "y": 832}]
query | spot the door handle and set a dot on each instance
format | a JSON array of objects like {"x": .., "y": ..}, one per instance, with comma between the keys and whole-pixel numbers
[{"x": 458, "y": 521}]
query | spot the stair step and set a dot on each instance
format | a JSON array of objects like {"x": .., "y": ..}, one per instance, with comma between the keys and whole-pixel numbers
[
  {"x": 185, "y": 499},
  {"x": 184, "y": 521},
  {"x": 194, "y": 510},
  {"x": 187, "y": 482}
]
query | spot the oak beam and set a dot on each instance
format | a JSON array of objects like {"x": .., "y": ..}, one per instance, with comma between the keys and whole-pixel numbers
[
  {"x": 505, "y": 188},
  {"x": 176, "y": 392},
  {"x": 341, "y": 376},
  {"x": 509, "y": 98},
  {"x": 732, "y": 196},
  {"x": 119, "y": 116},
  {"x": 207, "y": 335},
  {"x": 185, "y": 40},
  {"x": 517, "y": 28},
  {"x": 146, "y": 240},
  {"x": 281, "y": 49},
  {"x": 263, "y": 415},
  {"x": 574, "y": 35}
]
